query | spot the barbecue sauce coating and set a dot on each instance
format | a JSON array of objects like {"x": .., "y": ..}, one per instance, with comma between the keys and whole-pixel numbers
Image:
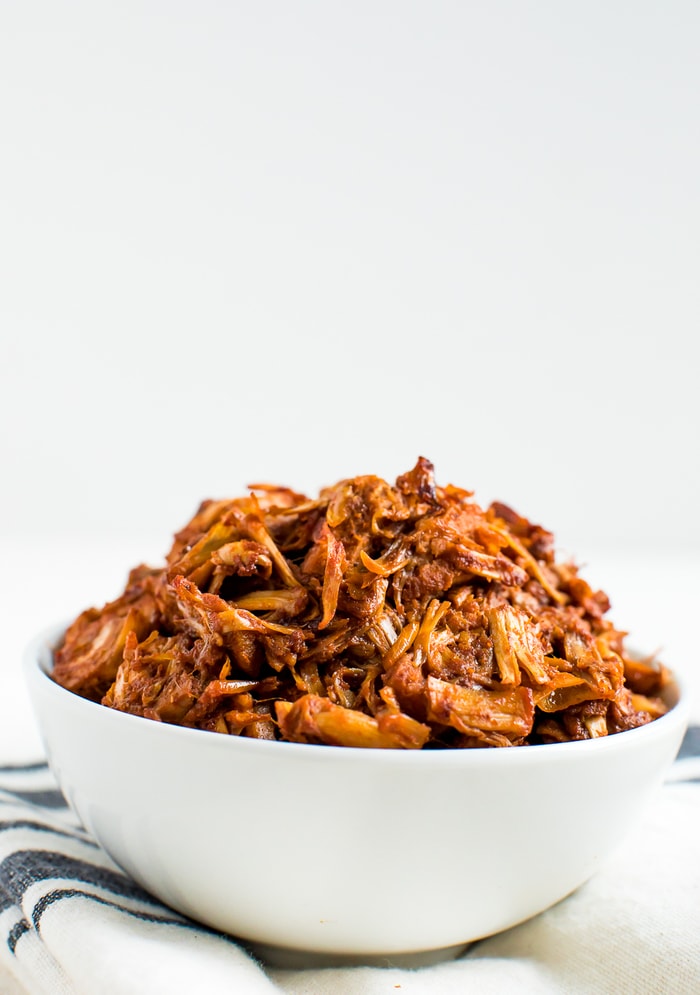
[{"x": 370, "y": 616}]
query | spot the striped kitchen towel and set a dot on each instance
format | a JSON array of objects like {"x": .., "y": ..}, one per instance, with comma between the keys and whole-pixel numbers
[{"x": 71, "y": 923}]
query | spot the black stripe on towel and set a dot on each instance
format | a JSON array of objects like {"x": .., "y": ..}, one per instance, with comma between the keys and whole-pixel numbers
[
  {"x": 28, "y": 768},
  {"x": 46, "y": 901},
  {"x": 690, "y": 747},
  {"x": 46, "y": 798},
  {"x": 23, "y": 868},
  {"x": 51, "y": 897},
  {"x": 15, "y": 934}
]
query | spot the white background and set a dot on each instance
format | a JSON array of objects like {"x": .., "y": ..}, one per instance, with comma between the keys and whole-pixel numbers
[{"x": 297, "y": 241}]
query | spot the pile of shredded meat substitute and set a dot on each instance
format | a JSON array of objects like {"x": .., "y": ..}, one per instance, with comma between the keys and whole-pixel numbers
[{"x": 372, "y": 616}]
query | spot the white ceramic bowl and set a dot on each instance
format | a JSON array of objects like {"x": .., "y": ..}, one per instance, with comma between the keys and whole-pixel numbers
[{"x": 346, "y": 851}]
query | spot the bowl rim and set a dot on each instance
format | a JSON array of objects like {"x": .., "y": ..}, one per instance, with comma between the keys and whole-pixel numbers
[{"x": 38, "y": 657}]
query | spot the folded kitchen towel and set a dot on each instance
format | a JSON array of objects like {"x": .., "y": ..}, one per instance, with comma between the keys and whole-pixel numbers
[{"x": 71, "y": 923}]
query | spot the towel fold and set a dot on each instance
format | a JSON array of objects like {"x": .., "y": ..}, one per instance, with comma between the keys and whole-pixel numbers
[{"x": 73, "y": 924}]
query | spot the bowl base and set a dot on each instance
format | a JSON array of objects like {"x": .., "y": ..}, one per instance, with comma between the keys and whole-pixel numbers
[{"x": 288, "y": 959}]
